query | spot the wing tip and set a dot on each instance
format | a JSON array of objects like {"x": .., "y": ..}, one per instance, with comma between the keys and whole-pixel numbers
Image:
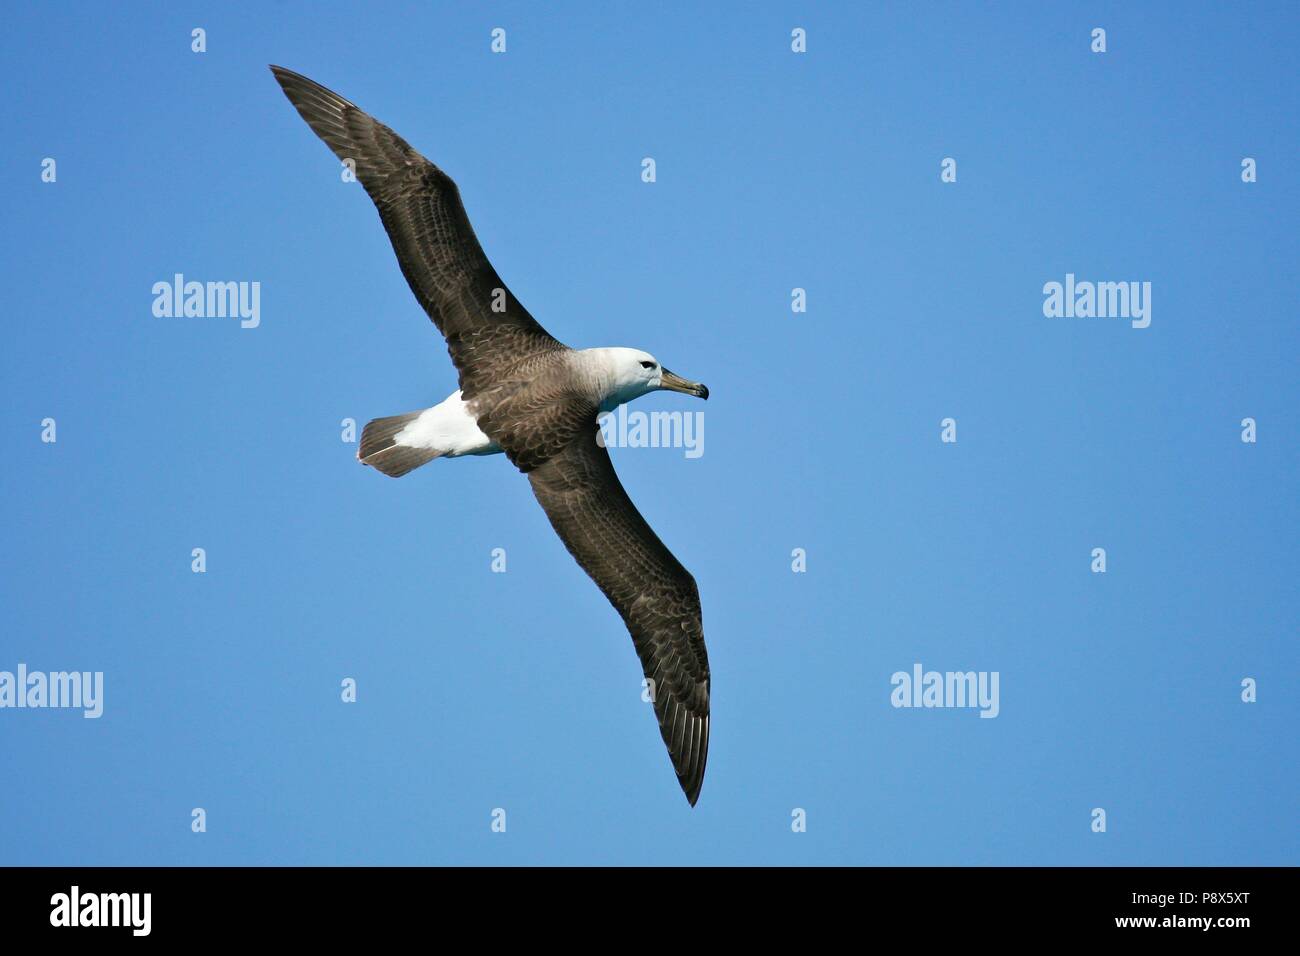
[
  {"x": 283, "y": 75},
  {"x": 692, "y": 780},
  {"x": 291, "y": 84},
  {"x": 300, "y": 88}
]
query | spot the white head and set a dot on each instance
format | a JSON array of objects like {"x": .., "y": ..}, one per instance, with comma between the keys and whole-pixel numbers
[{"x": 630, "y": 373}]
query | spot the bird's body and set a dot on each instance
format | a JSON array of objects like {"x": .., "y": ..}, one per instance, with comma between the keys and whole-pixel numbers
[
  {"x": 450, "y": 429},
  {"x": 526, "y": 395}
]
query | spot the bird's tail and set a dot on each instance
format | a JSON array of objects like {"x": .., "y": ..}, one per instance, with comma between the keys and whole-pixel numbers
[{"x": 380, "y": 447}]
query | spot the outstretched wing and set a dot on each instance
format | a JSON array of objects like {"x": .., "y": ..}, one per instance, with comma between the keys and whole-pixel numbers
[
  {"x": 488, "y": 332},
  {"x": 656, "y": 596}
]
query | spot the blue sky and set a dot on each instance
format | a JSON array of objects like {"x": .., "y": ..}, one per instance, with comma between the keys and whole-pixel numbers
[{"x": 775, "y": 170}]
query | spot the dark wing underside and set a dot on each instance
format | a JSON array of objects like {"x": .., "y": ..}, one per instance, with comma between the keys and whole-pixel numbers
[
  {"x": 488, "y": 332},
  {"x": 656, "y": 596}
]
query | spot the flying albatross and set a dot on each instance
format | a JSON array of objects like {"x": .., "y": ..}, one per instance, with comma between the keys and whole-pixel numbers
[{"x": 526, "y": 394}]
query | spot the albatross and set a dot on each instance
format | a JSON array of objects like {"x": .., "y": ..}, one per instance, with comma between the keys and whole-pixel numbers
[{"x": 528, "y": 396}]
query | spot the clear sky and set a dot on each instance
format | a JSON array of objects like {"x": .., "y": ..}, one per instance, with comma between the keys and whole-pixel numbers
[{"x": 775, "y": 170}]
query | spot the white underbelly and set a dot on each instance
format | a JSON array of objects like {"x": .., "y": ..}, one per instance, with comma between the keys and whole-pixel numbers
[{"x": 449, "y": 429}]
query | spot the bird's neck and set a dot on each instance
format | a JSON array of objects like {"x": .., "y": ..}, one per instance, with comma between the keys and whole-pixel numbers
[{"x": 602, "y": 373}]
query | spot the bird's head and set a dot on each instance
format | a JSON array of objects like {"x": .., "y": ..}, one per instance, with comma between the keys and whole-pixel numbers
[{"x": 633, "y": 373}]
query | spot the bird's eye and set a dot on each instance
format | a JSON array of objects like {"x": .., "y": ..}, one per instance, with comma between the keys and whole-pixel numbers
[{"x": 647, "y": 364}]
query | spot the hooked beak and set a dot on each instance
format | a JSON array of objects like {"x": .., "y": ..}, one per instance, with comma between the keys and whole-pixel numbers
[{"x": 675, "y": 383}]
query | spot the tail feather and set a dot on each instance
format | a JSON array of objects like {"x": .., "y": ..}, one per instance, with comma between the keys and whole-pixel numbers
[{"x": 380, "y": 450}]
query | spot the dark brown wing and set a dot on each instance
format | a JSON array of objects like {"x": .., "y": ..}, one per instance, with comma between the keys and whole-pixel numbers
[
  {"x": 655, "y": 595},
  {"x": 488, "y": 332}
]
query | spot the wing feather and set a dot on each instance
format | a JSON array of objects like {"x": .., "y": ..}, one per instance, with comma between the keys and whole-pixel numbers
[
  {"x": 656, "y": 597},
  {"x": 488, "y": 331}
]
